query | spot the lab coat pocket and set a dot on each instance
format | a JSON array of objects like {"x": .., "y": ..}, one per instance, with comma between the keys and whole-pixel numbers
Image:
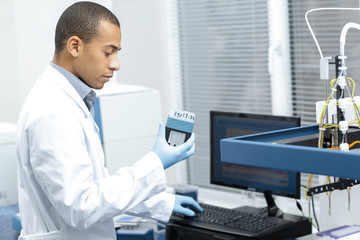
[{"x": 55, "y": 235}]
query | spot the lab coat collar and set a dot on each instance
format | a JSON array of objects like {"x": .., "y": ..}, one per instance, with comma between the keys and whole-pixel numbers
[{"x": 64, "y": 84}]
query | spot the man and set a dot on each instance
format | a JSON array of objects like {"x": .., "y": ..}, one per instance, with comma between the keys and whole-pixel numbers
[{"x": 64, "y": 190}]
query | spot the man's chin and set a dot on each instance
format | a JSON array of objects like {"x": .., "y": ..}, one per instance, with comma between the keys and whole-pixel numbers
[{"x": 99, "y": 86}]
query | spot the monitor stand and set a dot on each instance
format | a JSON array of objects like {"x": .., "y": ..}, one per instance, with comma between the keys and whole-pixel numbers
[{"x": 272, "y": 209}]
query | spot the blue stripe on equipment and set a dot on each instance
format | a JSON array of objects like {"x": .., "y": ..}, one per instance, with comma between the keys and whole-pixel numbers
[{"x": 179, "y": 125}]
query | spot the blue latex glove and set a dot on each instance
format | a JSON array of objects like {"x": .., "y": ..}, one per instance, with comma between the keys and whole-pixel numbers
[
  {"x": 169, "y": 155},
  {"x": 186, "y": 205}
]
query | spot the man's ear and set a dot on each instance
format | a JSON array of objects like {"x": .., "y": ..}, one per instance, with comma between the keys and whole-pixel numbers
[{"x": 74, "y": 46}]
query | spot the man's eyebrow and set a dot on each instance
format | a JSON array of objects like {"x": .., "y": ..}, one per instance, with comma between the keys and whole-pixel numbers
[{"x": 113, "y": 47}]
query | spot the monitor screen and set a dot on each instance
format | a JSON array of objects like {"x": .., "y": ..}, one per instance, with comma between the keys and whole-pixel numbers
[{"x": 230, "y": 124}]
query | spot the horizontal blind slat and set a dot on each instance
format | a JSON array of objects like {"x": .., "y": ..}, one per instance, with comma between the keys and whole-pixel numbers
[{"x": 224, "y": 47}]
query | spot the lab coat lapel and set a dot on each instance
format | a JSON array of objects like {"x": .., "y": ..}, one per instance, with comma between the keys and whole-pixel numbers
[{"x": 64, "y": 84}]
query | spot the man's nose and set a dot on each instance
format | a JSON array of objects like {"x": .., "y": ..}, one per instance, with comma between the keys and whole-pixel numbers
[{"x": 114, "y": 64}]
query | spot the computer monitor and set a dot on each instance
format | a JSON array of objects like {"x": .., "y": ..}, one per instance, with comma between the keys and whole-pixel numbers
[{"x": 231, "y": 124}]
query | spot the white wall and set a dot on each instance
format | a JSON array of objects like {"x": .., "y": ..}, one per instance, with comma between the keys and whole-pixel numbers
[{"x": 9, "y": 80}]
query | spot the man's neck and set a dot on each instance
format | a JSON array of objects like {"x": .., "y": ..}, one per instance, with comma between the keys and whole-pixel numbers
[{"x": 64, "y": 61}]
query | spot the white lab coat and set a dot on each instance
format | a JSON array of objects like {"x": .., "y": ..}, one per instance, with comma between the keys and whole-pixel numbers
[{"x": 64, "y": 190}]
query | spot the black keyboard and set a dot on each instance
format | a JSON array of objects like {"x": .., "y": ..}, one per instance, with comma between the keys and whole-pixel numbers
[{"x": 233, "y": 221}]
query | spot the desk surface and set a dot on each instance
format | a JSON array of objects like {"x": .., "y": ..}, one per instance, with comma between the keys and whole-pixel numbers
[{"x": 340, "y": 232}]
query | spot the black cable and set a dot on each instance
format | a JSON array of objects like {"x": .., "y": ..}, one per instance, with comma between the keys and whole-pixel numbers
[
  {"x": 313, "y": 207},
  {"x": 300, "y": 208}
]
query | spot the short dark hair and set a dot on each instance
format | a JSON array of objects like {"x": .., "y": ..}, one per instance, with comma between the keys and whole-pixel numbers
[{"x": 81, "y": 19}]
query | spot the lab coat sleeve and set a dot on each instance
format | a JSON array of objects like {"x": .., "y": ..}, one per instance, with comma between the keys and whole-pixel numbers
[
  {"x": 158, "y": 207},
  {"x": 62, "y": 165}
]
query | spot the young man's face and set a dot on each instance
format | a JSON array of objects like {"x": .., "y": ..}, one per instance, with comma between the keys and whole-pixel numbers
[{"x": 98, "y": 59}]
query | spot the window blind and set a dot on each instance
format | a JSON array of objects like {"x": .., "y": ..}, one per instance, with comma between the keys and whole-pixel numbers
[{"x": 223, "y": 49}]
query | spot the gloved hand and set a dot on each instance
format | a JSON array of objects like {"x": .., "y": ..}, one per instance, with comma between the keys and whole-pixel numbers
[
  {"x": 186, "y": 205},
  {"x": 170, "y": 155}
]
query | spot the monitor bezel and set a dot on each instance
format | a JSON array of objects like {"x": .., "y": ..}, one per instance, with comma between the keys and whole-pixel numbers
[{"x": 297, "y": 122}]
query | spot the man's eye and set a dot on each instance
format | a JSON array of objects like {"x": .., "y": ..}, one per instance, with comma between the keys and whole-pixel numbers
[{"x": 107, "y": 54}]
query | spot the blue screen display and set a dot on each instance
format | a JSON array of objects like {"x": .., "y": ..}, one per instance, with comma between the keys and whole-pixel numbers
[{"x": 226, "y": 125}]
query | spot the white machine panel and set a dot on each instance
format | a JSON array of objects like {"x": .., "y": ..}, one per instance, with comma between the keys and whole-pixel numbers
[
  {"x": 8, "y": 162},
  {"x": 124, "y": 153},
  {"x": 129, "y": 121}
]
